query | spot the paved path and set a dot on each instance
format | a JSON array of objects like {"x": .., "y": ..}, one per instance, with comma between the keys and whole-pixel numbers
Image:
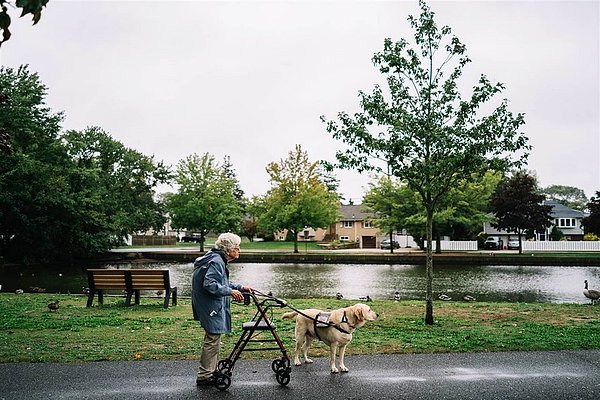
[{"x": 513, "y": 375}]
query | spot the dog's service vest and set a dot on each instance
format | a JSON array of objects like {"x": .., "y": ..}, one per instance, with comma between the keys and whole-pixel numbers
[{"x": 322, "y": 321}]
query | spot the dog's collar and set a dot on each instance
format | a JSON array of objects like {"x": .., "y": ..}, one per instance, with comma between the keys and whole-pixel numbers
[{"x": 345, "y": 321}]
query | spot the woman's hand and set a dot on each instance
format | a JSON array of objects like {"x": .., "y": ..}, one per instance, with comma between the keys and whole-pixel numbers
[{"x": 237, "y": 295}]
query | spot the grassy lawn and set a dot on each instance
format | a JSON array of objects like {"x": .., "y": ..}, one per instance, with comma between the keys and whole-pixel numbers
[{"x": 29, "y": 332}]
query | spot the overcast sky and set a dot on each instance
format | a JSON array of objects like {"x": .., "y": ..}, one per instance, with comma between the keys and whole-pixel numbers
[{"x": 250, "y": 79}]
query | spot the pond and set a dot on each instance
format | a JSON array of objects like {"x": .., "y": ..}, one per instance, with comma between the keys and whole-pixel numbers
[{"x": 554, "y": 284}]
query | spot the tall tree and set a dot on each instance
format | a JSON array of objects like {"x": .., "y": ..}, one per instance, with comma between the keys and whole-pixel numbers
[
  {"x": 423, "y": 130},
  {"x": 517, "y": 205},
  {"x": 114, "y": 189},
  {"x": 569, "y": 196},
  {"x": 33, "y": 165},
  {"x": 71, "y": 195},
  {"x": 255, "y": 208},
  {"x": 591, "y": 223},
  {"x": 298, "y": 197},
  {"x": 206, "y": 200}
]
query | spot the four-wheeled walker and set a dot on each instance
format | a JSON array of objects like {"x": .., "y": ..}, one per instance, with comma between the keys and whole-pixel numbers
[{"x": 255, "y": 331}]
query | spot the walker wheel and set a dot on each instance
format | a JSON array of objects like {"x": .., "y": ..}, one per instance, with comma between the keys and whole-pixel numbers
[
  {"x": 222, "y": 382},
  {"x": 283, "y": 377},
  {"x": 224, "y": 364},
  {"x": 276, "y": 365}
]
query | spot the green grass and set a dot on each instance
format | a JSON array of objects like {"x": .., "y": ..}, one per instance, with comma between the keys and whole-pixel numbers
[{"x": 29, "y": 332}]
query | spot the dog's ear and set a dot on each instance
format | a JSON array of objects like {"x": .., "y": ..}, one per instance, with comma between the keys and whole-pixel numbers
[{"x": 359, "y": 313}]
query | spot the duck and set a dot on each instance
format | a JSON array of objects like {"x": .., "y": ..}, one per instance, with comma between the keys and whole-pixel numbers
[
  {"x": 54, "y": 305},
  {"x": 591, "y": 294},
  {"x": 397, "y": 296},
  {"x": 339, "y": 296},
  {"x": 444, "y": 297},
  {"x": 467, "y": 297}
]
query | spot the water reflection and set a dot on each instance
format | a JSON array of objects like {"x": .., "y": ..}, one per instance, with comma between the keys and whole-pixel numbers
[{"x": 486, "y": 283}]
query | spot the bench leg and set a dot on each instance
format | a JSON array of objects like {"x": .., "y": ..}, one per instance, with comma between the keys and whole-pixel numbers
[
  {"x": 100, "y": 296},
  {"x": 167, "y": 296},
  {"x": 128, "y": 298},
  {"x": 90, "y": 299},
  {"x": 174, "y": 290},
  {"x": 137, "y": 297}
]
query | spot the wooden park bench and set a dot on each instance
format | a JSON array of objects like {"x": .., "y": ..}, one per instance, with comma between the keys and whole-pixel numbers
[{"x": 131, "y": 281}]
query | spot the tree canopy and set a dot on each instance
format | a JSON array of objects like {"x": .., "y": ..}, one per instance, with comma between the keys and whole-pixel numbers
[
  {"x": 207, "y": 197},
  {"x": 591, "y": 223},
  {"x": 569, "y": 196},
  {"x": 517, "y": 205},
  {"x": 64, "y": 196},
  {"x": 298, "y": 197},
  {"x": 422, "y": 129}
]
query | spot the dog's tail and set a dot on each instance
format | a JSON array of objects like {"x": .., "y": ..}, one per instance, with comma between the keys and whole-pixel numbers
[{"x": 289, "y": 314}]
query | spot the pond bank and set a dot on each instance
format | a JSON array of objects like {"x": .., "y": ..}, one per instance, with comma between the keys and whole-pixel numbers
[{"x": 412, "y": 258}]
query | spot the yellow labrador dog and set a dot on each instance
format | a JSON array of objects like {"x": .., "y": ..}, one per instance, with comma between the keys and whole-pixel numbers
[{"x": 332, "y": 328}]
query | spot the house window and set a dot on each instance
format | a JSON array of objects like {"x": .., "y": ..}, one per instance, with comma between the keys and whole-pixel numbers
[
  {"x": 367, "y": 224},
  {"x": 347, "y": 224},
  {"x": 565, "y": 222},
  {"x": 344, "y": 238}
]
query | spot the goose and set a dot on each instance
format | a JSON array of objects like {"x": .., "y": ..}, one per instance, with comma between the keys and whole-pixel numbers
[
  {"x": 339, "y": 296},
  {"x": 467, "y": 297},
  {"x": 591, "y": 294},
  {"x": 444, "y": 297},
  {"x": 19, "y": 291},
  {"x": 397, "y": 296},
  {"x": 53, "y": 306},
  {"x": 365, "y": 298}
]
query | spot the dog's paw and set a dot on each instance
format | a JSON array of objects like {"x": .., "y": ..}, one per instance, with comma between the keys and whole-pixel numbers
[
  {"x": 297, "y": 362},
  {"x": 308, "y": 361},
  {"x": 344, "y": 369},
  {"x": 334, "y": 370}
]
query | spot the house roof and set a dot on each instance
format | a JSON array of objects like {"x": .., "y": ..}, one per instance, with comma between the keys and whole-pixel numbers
[
  {"x": 354, "y": 212},
  {"x": 561, "y": 211}
]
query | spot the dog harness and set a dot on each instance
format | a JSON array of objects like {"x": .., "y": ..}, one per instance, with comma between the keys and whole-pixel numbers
[{"x": 322, "y": 321}]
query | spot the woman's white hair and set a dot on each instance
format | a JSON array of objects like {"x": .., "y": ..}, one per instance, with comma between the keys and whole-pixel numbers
[{"x": 227, "y": 241}]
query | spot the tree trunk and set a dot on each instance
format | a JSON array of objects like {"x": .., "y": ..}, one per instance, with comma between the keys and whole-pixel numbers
[
  {"x": 429, "y": 270},
  {"x": 201, "y": 241},
  {"x": 438, "y": 242},
  {"x": 295, "y": 232},
  {"x": 391, "y": 242}
]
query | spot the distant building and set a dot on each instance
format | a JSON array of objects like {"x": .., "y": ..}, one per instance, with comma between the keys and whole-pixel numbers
[{"x": 567, "y": 220}]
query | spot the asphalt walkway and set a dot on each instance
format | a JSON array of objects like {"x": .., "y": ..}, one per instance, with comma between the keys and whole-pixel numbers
[{"x": 513, "y": 375}]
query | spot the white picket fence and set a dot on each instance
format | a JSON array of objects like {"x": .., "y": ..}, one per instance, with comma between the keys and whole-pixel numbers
[
  {"x": 456, "y": 245},
  {"x": 559, "y": 246},
  {"x": 465, "y": 245}
]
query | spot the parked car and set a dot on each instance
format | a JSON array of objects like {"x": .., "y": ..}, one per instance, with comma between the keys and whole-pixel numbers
[
  {"x": 512, "y": 244},
  {"x": 193, "y": 238},
  {"x": 493, "y": 243},
  {"x": 385, "y": 244}
]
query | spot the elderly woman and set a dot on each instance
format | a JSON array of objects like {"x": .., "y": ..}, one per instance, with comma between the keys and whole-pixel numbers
[{"x": 211, "y": 290}]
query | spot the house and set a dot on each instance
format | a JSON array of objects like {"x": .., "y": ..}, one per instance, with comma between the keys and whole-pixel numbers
[
  {"x": 355, "y": 225},
  {"x": 564, "y": 218}
]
